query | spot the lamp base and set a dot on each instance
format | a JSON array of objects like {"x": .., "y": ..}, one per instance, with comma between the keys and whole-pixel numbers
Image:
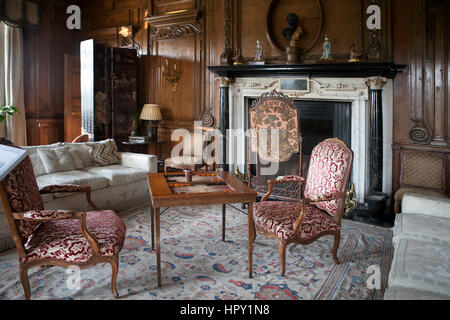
[{"x": 151, "y": 131}]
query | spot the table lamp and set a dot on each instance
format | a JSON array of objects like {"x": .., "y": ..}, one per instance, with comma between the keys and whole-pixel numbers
[{"x": 151, "y": 113}]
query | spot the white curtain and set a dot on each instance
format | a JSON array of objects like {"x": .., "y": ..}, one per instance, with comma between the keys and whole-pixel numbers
[{"x": 11, "y": 83}]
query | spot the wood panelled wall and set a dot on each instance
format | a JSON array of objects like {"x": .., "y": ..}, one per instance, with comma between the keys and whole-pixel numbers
[
  {"x": 44, "y": 51},
  {"x": 421, "y": 40},
  {"x": 413, "y": 32}
]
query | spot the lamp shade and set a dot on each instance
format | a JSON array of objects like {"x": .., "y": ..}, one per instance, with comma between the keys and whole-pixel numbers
[{"x": 150, "y": 112}]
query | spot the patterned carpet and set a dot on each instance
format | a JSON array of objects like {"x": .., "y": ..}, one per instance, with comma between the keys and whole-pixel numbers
[{"x": 196, "y": 264}]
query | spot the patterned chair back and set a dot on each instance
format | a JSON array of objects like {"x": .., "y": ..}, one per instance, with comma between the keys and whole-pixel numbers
[
  {"x": 23, "y": 195},
  {"x": 329, "y": 172},
  {"x": 423, "y": 170},
  {"x": 275, "y": 111}
]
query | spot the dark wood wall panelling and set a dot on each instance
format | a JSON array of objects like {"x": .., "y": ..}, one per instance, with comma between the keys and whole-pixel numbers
[
  {"x": 44, "y": 51},
  {"x": 421, "y": 40},
  {"x": 414, "y": 32}
]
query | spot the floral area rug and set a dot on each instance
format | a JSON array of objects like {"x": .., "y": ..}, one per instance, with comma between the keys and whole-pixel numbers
[{"x": 196, "y": 264}]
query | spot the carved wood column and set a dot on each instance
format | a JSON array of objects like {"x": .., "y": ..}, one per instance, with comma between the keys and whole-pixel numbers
[
  {"x": 224, "y": 124},
  {"x": 375, "y": 85}
]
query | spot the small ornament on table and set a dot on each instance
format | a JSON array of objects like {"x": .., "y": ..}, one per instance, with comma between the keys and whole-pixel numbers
[
  {"x": 238, "y": 59},
  {"x": 259, "y": 58},
  {"x": 355, "y": 54},
  {"x": 188, "y": 175},
  {"x": 326, "y": 55}
]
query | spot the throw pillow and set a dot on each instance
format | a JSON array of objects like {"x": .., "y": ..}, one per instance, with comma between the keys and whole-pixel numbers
[
  {"x": 38, "y": 165},
  {"x": 34, "y": 149},
  {"x": 56, "y": 160},
  {"x": 77, "y": 163},
  {"x": 104, "y": 154},
  {"x": 83, "y": 153}
]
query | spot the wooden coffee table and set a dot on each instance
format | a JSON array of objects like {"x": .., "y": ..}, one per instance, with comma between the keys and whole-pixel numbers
[{"x": 171, "y": 190}]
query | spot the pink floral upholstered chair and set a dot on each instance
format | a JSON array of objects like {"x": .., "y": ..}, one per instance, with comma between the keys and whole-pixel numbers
[
  {"x": 57, "y": 237},
  {"x": 275, "y": 111},
  {"x": 319, "y": 211}
]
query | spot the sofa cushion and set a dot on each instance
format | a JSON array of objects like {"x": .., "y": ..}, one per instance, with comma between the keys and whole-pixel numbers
[
  {"x": 422, "y": 227},
  {"x": 56, "y": 160},
  {"x": 401, "y": 293},
  {"x": 117, "y": 174},
  {"x": 421, "y": 265},
  {"x": 77, "y": 177},
  {"x": 38, "y": 165},
  {"x": 83, "y": 153},
  {"x": 428, "y": 205},
  {"x": 77, "y": 162},
  {"x": 104, "y": 154},
  {"x": 34, "y": 149}
]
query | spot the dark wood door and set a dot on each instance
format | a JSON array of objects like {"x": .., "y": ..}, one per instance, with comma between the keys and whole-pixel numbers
[{"x": 72, "y": 97}]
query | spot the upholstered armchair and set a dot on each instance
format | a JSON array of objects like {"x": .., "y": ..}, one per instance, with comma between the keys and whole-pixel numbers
[
  {"x": 319, "y": 211},
  {"x": 192, "y": 157},
  {"x": 422, "y": 173},
  {"x": 57, "y": 237},
  {"x": 274, "y": 111}
]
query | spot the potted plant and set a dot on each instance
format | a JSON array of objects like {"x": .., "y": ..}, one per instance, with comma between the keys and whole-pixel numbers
[{"x": 5, "y": 111}]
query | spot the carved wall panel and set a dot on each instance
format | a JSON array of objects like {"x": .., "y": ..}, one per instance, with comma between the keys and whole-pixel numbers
[{"x": 421, "y": 39}]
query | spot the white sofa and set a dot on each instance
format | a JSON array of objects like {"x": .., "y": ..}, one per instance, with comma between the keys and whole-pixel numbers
[
  {"x": 117, "y": 187},
  {"x": 420, "y": 267}
]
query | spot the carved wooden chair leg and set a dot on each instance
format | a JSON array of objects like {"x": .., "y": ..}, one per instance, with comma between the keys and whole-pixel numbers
[
  {"x": 337, "y": 240},
  {"x": 23, "y": 271},
  {"x": 115, "y": 269},
  {"x": 282, "y": 250}
]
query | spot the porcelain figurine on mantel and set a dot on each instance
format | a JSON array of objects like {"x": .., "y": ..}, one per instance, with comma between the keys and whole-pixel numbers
[
  {"x": 259, "y": 58},
  {"x": 326, "y": 55},
  {"x": 355, "y": 55}
]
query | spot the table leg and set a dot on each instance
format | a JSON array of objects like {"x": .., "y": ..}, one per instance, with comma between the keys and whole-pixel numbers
[
  {"x": 158, "y": 246},
  {"x": 251, "y": 235},
  {"x": 224, "y": 211},
  {"x": 152, "y": 225}
]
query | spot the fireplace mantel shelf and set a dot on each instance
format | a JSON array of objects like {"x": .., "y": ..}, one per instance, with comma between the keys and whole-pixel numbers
[{"x": 330, "y": 70}]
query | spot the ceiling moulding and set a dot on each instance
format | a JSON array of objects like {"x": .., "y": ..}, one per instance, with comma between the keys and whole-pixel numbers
[{"x": 174, "y": 25}]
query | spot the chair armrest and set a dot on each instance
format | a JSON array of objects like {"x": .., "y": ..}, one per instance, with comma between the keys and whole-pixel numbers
[
  {"x": 146, "y": 162},
  {"x": 60, "y": 188},
  {"x": 70, "y": 188},
  {"x": 280, "y": 180},
  {"x": 288, "y": 179},
  {"x": 49, "y": 215}
]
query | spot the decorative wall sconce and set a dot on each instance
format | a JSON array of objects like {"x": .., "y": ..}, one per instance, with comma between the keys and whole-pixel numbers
[
  {"x": 125, "y": 38},
  {"x": 173, "y": 77}
]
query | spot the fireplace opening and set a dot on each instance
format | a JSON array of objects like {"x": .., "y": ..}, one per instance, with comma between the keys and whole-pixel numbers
[{"x": 318, "y": 120}]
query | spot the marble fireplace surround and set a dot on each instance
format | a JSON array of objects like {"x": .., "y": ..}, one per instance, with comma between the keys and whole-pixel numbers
[{"x": 353, "y": 90}]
